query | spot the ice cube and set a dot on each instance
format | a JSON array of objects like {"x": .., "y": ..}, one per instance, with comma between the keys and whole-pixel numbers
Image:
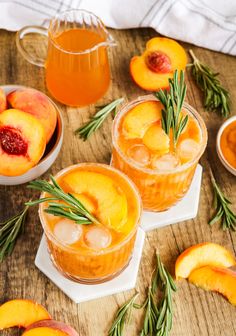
[
  {"x": 98, "y": 238},
  {"x": 139, "y": 153},
  {"x": 188, "y": 149},
  {"x": 67, "y": 231},
  {"x": 165, "y": 162}
]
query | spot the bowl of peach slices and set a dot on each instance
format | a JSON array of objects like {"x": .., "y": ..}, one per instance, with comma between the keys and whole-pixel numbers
[{"x": 31, "y": 134}]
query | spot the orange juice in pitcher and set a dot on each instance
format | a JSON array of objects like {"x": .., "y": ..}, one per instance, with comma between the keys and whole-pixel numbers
[{"x": 76, "y": 67}]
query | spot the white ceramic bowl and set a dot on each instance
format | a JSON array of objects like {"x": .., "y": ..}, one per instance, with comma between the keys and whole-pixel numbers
[
  {"x": 51, "y": 152},
  {"x": 231, "y": 169}
]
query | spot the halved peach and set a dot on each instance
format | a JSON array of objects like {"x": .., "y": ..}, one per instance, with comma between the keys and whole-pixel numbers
[
  {"x": 152, "y": 70},
  {"x": 50, "y": 328},
  {"x": 140, "y": 117},
  {"x": 3, "y": 101},
  {"x": 37, "y": 104},
  {"x": 21, "y": 313},
  {"x": 221, "y": 280},
  {"x": 111, "y": 201},
  {"x": 22, "y": 142},
  {"x": 201, "y": 255}
]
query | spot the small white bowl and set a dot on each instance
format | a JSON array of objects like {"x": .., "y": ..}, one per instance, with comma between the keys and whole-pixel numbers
[
  {"x": 231, "y": 169},
  {"x": 51, "y": 152}
]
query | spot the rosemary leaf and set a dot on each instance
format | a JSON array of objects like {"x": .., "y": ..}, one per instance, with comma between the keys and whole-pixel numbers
[
  {"x": 97, "y": 120},
  {"x": 223, "y": 213},
  {"x": 122, "y": 317},
  {"x": 216, "y": 97},
  {"x": 9, "y": 232},
  {"x": 172, "y": 101},
  {"x": 71, "y": 207}
]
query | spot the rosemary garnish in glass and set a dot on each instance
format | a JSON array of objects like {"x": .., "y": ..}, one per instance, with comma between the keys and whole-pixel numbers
[
  {"x": 96, "y": 121},
  {"x": 172, "y": 101},
  {"x": 216, "y": 97},
  {"x": 9, "y": 232},
  {"x": 122, "y": 317},
  {"x": 71, "y": 207},
  {"x": 223, "y": 213}
]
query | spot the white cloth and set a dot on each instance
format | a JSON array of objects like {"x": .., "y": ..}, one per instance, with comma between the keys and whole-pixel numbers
[{"x": 207, "y": 23}]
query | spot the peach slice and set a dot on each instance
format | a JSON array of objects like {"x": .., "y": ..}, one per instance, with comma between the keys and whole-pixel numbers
[
  {"x": 200, "y": 255},
  {"x": 37, "y": 104},
  {"x": 22, "y": 142},
  {"x": 152, "y": 70},
  {"x": 50, "y": 328},
  {"x": 3, "y": 101},
  {"x": 111, "y": 201},
  {"x": 140, "y": 117},
  {"x": 21, "y": 313},
  {"x": 221, "y": 280},
  {"x": 156, "y": 139}
]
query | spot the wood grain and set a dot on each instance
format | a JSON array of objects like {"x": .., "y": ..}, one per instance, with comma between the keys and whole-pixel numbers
[{"x": 196, "y": 311}]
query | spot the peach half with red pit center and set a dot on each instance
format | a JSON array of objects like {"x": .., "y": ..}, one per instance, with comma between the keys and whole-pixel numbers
[
  {"x": 22, "y": 142},
  {"x": 153, "y": 69}
]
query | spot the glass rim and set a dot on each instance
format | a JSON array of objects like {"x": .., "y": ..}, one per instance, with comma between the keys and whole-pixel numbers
[
  {"x": 137, "y": 197},
  {"x": 107, "y": 42},
  {"x": 126, "y": 107}
]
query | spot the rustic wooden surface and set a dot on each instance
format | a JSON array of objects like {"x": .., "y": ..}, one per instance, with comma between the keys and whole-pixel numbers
[{"x": 196, "y": 312}]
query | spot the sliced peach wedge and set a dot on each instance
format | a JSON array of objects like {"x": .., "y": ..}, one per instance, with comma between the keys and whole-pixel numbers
[
  {"x": 21, "y": 313},
  {"x": 152, "y": 70},
  {"x": 140, "y": 117},
  {"x": 50, "y": 328},
  {"x": 22, "y": 142},
  {"x": 221, "y": 280},
  {"x": 111, "y": 202},
  {"x": 202, "y": 255}
]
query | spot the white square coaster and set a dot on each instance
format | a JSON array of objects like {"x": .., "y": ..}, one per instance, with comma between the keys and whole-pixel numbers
[
  {"x": 80, "y": 292},
  {"x": 185, "y": 209}
]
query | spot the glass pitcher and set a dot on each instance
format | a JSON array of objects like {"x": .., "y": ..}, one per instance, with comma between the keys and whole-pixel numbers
[{"x": 76, "y": 67}]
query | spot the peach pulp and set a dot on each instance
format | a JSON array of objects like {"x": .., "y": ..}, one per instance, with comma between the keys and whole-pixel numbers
[
  {"x": 228, "y": 143},
  {"x": 144, "y": 152},
  {"x": 94, "y": 253}
]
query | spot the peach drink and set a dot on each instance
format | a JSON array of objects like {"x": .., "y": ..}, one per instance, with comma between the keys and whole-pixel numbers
[
  {"x": 75, "y": 76},
  {"x": 144, "y": 152},
  {"x": 94, "y": 252}
]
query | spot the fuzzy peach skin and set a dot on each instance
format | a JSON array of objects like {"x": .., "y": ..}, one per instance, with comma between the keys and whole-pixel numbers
[
  {"x": 50, "y": 328},
  {"x": 154, "y": 75},
  {"x": 22, "y": 142},
  {"x": 37, "y": 104},
  {"x": 221, "y": 280},
  {"x": 3, "y": 101},
  {"x": 201, "y": 255},
  {"x": 21, "y": 313}
]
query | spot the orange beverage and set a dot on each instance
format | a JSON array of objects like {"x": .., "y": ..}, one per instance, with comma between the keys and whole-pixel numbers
[
  {"x": 94, "y": 253},
  {"x": 76, "y": 66},
  {"x": 144, "y": 152}
]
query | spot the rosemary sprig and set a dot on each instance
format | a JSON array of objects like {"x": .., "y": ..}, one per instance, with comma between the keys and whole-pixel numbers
[
  {"x": 223, "y": 213},
  {"x": 122, "y": 317},
  {"x": 216, "y": 97},
  {"x": 172, "y": 101},
  {"x": 9, "y": 232},
  {"x": 71, "y": 207},
  {"x": 158, "y": 318},
  {"x": 96, "y": 121}
]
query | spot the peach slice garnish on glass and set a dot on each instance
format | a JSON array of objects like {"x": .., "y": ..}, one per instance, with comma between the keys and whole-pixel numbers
[
  {"x": 21, "y": 313},
  {"x": 204, "y": 254},
  {"x": 221, "y": 280}
]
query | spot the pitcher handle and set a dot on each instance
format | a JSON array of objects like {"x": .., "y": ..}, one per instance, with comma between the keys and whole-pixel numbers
[{"x": 39, "y": 61}]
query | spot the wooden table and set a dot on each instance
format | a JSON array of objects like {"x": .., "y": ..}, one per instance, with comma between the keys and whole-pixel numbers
[{"x": 196, "y": 312}]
